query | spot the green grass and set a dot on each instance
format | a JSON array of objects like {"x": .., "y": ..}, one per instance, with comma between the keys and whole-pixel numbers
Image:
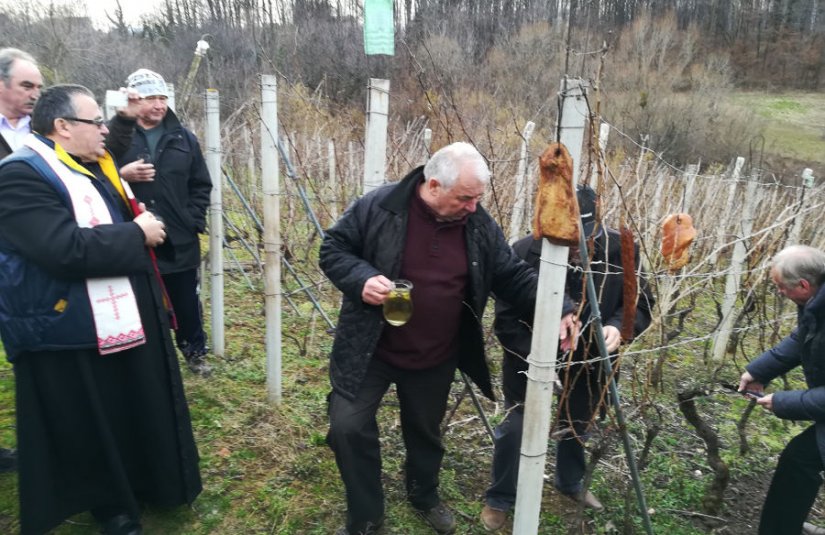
[
  {"x": 8, "y": 482},
  {"x": 794, "y": 124},
  {"x": 267, "y": 469},
  {"x": 783, "y": 107}
]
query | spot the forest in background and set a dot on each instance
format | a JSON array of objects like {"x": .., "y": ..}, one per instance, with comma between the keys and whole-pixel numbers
[{"x": 665, "y": 67}]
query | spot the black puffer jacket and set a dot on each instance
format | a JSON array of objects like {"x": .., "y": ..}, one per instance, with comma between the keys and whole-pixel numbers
[
  {"x": 180, "y": 191},
  {"x": 369, "y": 240}
]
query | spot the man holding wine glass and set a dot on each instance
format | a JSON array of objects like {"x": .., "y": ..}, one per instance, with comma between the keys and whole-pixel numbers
[
  {"x": 398, "y": 306},
  {"x": 427, "y": 229},
  {"x": 163, "y": 162}
]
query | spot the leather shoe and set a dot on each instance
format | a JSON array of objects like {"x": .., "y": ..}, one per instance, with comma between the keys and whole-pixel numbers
[
  {"x": 121, "y": 524},
  {"x": 592, "y": 502},
  {"x": 369, "y": 528},
  {"x": 439, "y": 518},
  {"x": 8, "y": 460},
  {"x": 493, "y": 519},
  {"x": 589, "y": 500}
]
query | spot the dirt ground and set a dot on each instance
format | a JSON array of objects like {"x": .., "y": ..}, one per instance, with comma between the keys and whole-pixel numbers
[{"x": 743, "y": 502}]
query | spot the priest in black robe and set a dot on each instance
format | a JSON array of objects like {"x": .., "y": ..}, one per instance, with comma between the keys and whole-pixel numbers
[{"x": 103, "y": 424}]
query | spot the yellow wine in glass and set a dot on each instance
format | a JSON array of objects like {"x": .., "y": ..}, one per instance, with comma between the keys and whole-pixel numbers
[{"x": 398, "y": 307}]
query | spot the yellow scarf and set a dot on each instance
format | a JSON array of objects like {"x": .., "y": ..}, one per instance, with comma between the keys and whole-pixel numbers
[{"x": 106, "y": 163}]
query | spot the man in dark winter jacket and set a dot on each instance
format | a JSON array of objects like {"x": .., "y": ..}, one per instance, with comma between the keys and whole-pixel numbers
[
  {"x": 798, "y": 271},
  {"x": 430, "y": 229},
  {"x": 20, "y": 85},
  {"x": 168, "y": 173},
  {"x": 583, "y": 383},
  {"x": 102, "y": 422}
]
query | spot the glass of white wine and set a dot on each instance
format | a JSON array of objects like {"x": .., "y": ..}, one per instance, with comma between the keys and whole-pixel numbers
[{"x": 398, "y": 307}]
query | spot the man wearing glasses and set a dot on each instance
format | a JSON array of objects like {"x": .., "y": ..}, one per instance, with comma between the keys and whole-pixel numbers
[
  {"x": 797, "y": 272},
  {"x": 20, "y": 87},
  {"x": 165, "y": 167},
  {"x": 103, "y": 423}
]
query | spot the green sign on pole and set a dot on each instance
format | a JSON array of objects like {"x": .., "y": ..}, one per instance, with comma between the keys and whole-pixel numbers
[{"x": 379, "y": 31}]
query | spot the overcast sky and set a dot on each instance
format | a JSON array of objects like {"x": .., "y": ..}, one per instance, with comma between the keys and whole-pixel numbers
[{"x": 97, "y": 9}]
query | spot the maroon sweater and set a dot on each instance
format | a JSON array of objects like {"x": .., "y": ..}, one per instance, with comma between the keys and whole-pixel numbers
[{"x": 435, "y": 261}]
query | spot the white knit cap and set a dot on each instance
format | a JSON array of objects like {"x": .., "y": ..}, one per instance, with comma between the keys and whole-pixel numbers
[{"x": 147, "y": 83}]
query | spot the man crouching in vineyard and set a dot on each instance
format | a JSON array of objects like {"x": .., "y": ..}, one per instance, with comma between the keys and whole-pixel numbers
[
  {"x": 429, "y": 229},
  {"x": 798, "y": 272}
]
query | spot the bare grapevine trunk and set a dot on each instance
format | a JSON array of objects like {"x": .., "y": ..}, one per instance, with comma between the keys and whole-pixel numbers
[{"x": 714, "y": 497}]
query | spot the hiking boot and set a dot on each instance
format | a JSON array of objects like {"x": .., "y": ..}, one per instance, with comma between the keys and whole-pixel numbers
[
  {"x": 368, "y": 529},
  {"x": 196, "y": 359},
  {"x": 493, "y": 519},
  {"x": 198, "y": 366},
  {"x": 439, "y": 518}
]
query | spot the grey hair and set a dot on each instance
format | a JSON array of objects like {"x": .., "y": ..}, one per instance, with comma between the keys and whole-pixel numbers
[
  {"x": 7, "y": 58},
  {"x": 446, "y": 164},
  {"x": 797, "y": 262},
  {"x": 56, "y": 102}
]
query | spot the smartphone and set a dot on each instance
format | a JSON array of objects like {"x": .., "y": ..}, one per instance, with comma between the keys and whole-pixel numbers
[{"x": 116, "y": 99}]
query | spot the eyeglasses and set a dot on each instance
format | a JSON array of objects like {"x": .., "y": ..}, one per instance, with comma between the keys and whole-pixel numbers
[
  {"x": 97, "y": 122},
  {"x": 785, "y": 287}
]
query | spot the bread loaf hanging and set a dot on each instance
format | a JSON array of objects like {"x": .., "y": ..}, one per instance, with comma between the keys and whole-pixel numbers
[
  {"x": 677, "y": 235},
  {"x": 557, "y": 213}
]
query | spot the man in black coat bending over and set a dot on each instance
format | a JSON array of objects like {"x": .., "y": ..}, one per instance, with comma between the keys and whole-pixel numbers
[
  {"x": 582, "y": 375},
  {"x": 798, "y": 272},
  {"x": 429, "y": 229}
]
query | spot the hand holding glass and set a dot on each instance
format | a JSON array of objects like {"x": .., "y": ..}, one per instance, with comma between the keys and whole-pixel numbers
[
  {"x": 398, "y": 306},
  {"x": 145, "y": 156}
]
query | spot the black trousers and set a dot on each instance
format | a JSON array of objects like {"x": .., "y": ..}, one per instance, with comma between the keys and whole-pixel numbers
[
  {"x": 182, "y": 288},
  {"x": 794, "y": 486},
  {"x": 353, "y": 437},
  {"x": 570, "y": 459},
  {"x": 579, "y": 406}
]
